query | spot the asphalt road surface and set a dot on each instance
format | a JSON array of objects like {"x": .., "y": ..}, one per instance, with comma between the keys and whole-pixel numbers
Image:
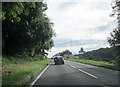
[{"x": 73, "y": 73}]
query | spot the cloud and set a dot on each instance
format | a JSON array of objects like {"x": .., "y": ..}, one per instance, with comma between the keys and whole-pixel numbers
[
  {"x": 85, "y": 20},
  {"x": 66, "y": 5}
]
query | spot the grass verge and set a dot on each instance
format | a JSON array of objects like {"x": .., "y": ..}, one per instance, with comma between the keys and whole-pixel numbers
[
  {"x": 21, "y": 73},
  {"x": 96, "y": 63}
]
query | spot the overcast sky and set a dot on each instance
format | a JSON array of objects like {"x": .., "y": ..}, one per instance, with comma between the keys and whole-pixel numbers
[{"x": 80, "y": 23}]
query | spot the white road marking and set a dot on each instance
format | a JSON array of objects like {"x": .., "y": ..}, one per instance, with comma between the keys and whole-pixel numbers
[
  {"x": 84, "y": 72},
  {"x": 39, "y": 76},
  {"x": 88, "y": 73},
  {"x": 72, "y": 66}
]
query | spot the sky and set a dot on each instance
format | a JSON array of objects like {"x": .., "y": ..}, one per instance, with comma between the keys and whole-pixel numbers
[{"x": 80, "y": 23}]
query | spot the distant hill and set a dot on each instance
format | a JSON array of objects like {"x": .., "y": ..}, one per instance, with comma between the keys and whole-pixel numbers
[{"x": 104, "y": 54}]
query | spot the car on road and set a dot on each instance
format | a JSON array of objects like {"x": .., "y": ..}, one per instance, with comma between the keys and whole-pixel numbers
[{"x": 58, "y": 60}]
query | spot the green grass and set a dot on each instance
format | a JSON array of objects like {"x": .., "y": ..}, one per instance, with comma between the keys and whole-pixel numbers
[
  {"x": 96, "y": 63},
  {"x": 21, "y": 73}
]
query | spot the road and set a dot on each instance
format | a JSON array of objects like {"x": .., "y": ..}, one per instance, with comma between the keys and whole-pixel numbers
[{"x": 73, "y": 73}]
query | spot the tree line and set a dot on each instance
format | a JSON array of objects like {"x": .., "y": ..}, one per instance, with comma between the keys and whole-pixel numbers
[
  {"x": 26, "y": 29},
  {"x": 66, "y": 52}
]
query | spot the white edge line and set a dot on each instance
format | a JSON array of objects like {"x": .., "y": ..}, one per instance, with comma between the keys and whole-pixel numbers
[
  {"x": 87, "y": 73},
  {"x": 39, "y": 76}
]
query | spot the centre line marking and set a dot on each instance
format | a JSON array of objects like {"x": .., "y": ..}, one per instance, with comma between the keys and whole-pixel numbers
[
  {"x": 72, "y": 66},
  {"x": 88, "y": 73}
]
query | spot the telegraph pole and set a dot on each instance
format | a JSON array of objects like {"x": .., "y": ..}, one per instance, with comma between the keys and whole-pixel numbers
[{"x": 71, "y": 46}]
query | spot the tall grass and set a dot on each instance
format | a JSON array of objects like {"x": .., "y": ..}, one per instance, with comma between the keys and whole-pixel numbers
[
  {"x": 21, "y": 73},
  {"x": 96, "y": 63}
]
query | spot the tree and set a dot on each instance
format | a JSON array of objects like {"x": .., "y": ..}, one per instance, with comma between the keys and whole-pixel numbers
[
  {"x": 13, "y": 29},
  {"x": 26, "y": 30},
  {"x": 115, "y": 35}
]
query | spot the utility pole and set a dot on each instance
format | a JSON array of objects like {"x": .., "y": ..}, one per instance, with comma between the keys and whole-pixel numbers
[{"x": 71, "y": 46}]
